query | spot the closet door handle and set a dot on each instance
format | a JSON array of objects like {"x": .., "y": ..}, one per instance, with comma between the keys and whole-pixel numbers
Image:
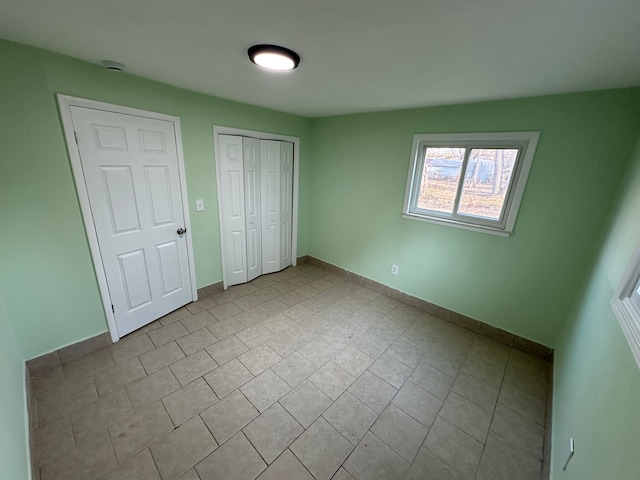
[{"x": 181, "y": 231}]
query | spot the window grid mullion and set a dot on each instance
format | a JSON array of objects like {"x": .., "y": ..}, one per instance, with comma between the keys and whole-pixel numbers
[{"x": 463, "y": 173}]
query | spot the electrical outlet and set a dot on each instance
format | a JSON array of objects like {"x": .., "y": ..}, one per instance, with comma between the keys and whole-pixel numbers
[
  {"x": 394, "y": 269},
  {"x": 199, "y": 205},
  {"x": 572, "y": 448}
]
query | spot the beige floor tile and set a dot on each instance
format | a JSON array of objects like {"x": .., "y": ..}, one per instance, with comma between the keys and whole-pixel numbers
[
  {"x": 353, "y": 361},
  {"x": 134, "y": 433},
  {"x": 391, "y": 370},
  {"x": 278, "y": 323},
  {"x": 427, "y": 466},
  {"x": 130, "y": 347},
  {"x": 525, "y": 403},
  {"x": 160, "y": 357},
  {"x": 226, "y": 328},
  {"x": 454, "y": 447},
  {"x": 122, "y": 374},
  {"x": 196, "y": 341},
  {"x": 182, "y": 449},
  {"x": 190, "y": 475},
  {"x": 529, "y": 380},
  {"x": 64, "y": 399},
  {"x": 500, "y": 461},
  {"x": 91, "y": 459},
  {"x": 247, "y": 302},
  {"x": 235, "y": 460},
  {"x": 350, "y": 417},
  {"x": 432, "y": 380},
  {"x": 267, "y": 293},
  {"x": 519, "y": 431},
  {"x": 418, "y": 403},
  {"x": 198, "y": 321},
  {"x": 272, "y": 432},
  {"x": 89, "y": 365},
  {"x": 298, "y": 313},
  {"x": 258, "y": 359},
  {"x": 342, "y": 474},
  {"x": 192, "y": 367},
  {"x": 189, "y": 401},
  {"x": 318, "y": 351},
  {"x": 369, "y": 344},
  {"x": 285, "y": 343},
  {"x": 226, "y": 349},
  {"x": 152, "y": 388},
  {"x": 140, "y": 467},
  {"x": 373, "y": 460},
  {"x": 332, "y": 380},
  {"x": 251, "y": 317},
  {"x": 225, "y": 310},
  {"x": 53, "y": 440},
  {"x": 175, "y": 316},
  {"x": 101, "y": 414},
  {"x": 306, "y": 403},
  {"x": 294, "y": 369},
  {"x": 228, "y": 416},
  {"x": 467, "y": 416},
  {"x": 264, "y": 390},
  {"x": 254, "y": 335},
  {"x": 476, "y": 390},
  {"x": 400, "y": 431},
  {"x": 373, "y": 391},
  {"x": 286, "y": 466},
  {"x": 203, "y": 304},
  {"x": 164, "y": 335},
  {"x": 321, "y": 449},
  {"x": 225, "y": 379},
  {"x": 273, "y": 306}
]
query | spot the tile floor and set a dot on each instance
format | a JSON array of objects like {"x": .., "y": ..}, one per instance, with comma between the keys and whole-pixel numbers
[{"x": 296, "y": 375}]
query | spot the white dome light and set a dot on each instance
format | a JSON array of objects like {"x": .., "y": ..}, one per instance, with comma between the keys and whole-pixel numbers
[{"x": 274, "y": 57}]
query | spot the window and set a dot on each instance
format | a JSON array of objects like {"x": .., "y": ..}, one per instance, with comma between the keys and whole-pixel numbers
[
  {"x": 626, "y": 304},
  {"x": 473, "y": 181}
]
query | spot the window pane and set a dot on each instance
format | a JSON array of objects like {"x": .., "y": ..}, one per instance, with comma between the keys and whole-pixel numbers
[
  {"x": 486, "y": 182},
  {"x": 440, "y": 179}
]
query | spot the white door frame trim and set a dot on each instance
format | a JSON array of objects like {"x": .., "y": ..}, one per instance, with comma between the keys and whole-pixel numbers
[
  {"x": 221, "y": 130},
  {"x": 65, "y": 103}
]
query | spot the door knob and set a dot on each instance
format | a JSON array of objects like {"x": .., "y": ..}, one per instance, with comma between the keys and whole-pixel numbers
[{"x": 180, "y": 231}]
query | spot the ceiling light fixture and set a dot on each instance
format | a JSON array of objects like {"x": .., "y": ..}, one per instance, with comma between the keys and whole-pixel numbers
[{"x": 274, "y": 57}]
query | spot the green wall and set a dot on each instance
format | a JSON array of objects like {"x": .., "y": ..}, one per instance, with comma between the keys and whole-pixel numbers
[
  {"x": 13, "y": 415},
  {"x": 525, "y": 284},
  {"x": 52, "y": 297},
  {"x": 596, "y": 380}
]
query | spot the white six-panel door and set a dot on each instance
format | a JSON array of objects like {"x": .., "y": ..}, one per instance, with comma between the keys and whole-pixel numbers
[
  {"x": 130, "y": 169},
  {"x": 253, "y": 220},
  {"x": 270, "y": 172},
  {"x": 286, "y": 202},
  {"x": 232, "y": 208}
]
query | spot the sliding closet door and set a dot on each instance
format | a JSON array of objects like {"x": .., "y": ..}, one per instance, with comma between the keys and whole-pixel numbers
[
  {"x": 253, "y": 221},
  {"x": 232, "y": 209},
  {"x": 270, "y": 200},
  {"x": 286, "y": 202}
]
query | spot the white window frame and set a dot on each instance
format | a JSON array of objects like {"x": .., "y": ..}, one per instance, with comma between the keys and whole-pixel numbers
[
  {"x": 626, "y": 304},
  {"x": 525, "y": 142}
]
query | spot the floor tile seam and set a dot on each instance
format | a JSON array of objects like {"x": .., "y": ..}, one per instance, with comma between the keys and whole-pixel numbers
[
  {"x": 518, "y": 414},
  {"x": 516, "y": 448},
  {"x": 521, "y": 414},
  {"x": 454, "y": 467},
  {"x": 410, "y": 462},
  {"x": 286, "y": 448}
]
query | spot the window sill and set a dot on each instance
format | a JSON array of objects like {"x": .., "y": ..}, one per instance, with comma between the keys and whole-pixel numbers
[{"x": 456, "y": 224}]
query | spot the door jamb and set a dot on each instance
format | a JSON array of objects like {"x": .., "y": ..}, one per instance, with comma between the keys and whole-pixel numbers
[
  {"x": 65, "y": 102},
  {"x": 222, "y": 130}
]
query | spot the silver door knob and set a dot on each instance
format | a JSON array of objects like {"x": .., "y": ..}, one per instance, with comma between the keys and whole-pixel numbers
[{"x": 180, "y": 231}]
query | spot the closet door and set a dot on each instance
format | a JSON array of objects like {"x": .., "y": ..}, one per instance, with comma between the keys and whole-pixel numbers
[
  {"x": 286, "y": 202},
  {"x": 253, "y": 222},
  {"x": 270, "y": 202},
  {"x": 232, "y": 209}
]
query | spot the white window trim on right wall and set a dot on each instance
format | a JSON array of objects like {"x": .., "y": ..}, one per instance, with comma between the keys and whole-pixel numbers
[
  {"x": 526, "y": 141},
  {"x": 626, "y": 304}
]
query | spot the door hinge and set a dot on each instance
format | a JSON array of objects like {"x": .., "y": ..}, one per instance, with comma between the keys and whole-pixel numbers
[
  {"x": 113, "y": 309},
  {"x": 75, "y": 134}
]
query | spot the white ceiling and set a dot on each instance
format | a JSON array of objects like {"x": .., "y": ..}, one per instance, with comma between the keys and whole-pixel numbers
[{"x": 357, "y": 55}]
